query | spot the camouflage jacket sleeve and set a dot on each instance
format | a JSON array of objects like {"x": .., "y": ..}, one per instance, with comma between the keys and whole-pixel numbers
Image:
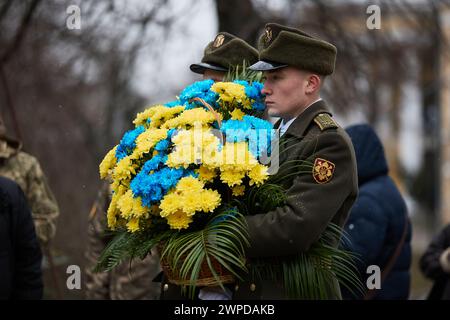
[
  {"x": 311, "y": 204},
  {"x": 42, "y": 203},
  {"x": 97, "y": 284}
]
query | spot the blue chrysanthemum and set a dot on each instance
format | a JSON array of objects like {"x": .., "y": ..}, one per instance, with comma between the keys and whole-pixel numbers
[
  {"x": 128, "y": 142},
  {"x": 199, "y": 89}
]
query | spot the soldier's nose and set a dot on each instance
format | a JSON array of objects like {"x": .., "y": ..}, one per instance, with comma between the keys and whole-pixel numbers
[{"x": 266, "y": 91}]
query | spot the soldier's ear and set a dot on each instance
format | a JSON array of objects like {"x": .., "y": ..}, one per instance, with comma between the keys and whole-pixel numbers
[{"x": 314, "y": 83}]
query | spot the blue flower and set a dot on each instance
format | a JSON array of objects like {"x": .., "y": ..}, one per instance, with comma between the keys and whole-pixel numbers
[
  {"x": 256, "y": 131},
  {"x": 128, "y": 142},
  {"x": 253, "y": 92},
  {"x": 162, "y": 145},
  {"x": 173, "y": 103},
  {"x": 199, "y": 89}
]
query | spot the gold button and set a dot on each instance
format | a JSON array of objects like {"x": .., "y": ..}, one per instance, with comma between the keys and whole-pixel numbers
[
  {"x": 252, "y": 287},
  {"x": 236, "y": 287},
  {"x": 166, "y": 287}
]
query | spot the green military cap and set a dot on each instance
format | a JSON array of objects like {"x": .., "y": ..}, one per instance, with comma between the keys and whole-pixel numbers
[
  {"x": 225, "y": 51},
  {"x": 282, "y": 46}
]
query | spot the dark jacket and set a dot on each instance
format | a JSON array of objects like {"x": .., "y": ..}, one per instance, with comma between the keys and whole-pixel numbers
[
  {"x": 20, "y": 255},
  {"x": 377, "y": 220},
  {"x": 430, "y": 266}
]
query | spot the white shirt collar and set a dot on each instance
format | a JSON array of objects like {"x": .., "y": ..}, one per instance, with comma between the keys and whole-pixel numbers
[{"x": 285, "y": 126}]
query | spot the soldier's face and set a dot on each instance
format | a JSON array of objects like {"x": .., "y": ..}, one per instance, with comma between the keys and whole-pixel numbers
[
  {"x": 286, "y": 92},
  {"x": 213, "y": 75}
]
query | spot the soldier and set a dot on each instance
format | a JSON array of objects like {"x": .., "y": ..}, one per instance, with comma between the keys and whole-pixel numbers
[
  {"x": 295, "y": 65},
  {"x": 221, "y": 54},
  {"x": 225, "y": 52},
  {"x": 25, "y": 170}
]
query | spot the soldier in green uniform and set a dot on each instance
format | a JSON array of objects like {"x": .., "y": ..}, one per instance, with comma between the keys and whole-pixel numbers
[
  {"x": 25, "y": 170},
  {"x": 221, "y": 54},
  {"x": 295, "y": 65}
]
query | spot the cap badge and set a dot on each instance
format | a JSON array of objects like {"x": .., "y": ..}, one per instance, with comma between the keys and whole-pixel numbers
[{"x": 219, "y": 40}]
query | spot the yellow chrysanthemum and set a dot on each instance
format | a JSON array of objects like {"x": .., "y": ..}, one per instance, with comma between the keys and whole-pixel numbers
[
  {"x": 108, "y": 163},
  {"x": 258, "y": 175},
  {"x": 191, "y": 201},
  {"x": 131, "y": 206},
  {"x": 189, "y": 197},
  {"x": 237, "y": 114},
  {"x": 191, "y": 117},
  {"x": 112, "y": 213},
  {"x": 189, "y": 184},
  {"x": 194, "y": 146},
  {"x": 170, "y": 203},
  {"x": 124, "y": 169},
  {"x": 238, "y": 190},
  {"x": 205, "y": 174},
  {"x": 179, "y": 220},
  {"x": 147, "y": 140},
  {"x": 209, "y": 200},
  {"x": 232, "y": 177},
  {"x": 133, "y": 225},
  {"x": 237, "y": 156},
  {"x": 229, "y": 91},
  {"x": 157, "y": 114}
]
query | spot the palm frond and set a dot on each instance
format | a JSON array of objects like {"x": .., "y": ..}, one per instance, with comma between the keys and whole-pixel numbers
[{"x": 223, "y": 239}]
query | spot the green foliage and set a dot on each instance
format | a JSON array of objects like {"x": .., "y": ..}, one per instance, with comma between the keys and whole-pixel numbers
[
  {"x": 222, "y": 239},
  {"x": 243, "y": 73}
]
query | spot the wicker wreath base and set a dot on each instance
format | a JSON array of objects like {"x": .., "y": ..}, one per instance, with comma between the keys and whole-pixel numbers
[{"x": 205, "y": 277}]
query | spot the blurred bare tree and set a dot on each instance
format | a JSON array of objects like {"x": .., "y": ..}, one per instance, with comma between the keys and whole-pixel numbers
[{"x": 68, "y": 94}]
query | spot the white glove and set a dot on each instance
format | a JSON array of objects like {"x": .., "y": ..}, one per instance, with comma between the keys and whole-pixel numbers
[
  {"x": 444, "y": 260},
  {"x": 215, "y": 293}
]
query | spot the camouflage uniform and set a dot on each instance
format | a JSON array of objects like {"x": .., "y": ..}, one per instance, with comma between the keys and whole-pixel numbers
[
  {"x": 125, "y": 282},
  {"x": 25, "y": 170}
]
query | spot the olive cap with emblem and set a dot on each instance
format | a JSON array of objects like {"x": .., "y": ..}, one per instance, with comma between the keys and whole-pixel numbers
[
  {"x": 280, "y": 46},
  {"x": 225, "y": 51}
]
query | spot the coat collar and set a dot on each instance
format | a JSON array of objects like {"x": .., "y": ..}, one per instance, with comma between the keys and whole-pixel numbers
[{"x": 302, "y": 122}]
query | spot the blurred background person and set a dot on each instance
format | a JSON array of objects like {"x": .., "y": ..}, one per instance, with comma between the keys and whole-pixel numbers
[
  {"x": 378, "y": 227},
  {"x": 435, "y": 264},
  {"x": 26, "y": 171},
  {"x": 20, "y": 254}
]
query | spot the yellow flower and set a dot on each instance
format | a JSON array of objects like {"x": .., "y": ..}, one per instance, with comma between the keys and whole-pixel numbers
[
  {"x": 108, "y": 163},
  {"x": 189, "y": 184},
  {"x": 209, "y": 200},
  {"x": 191, "y": 117},
  {"x": 258, "y": 175},
  {"x": 170, "y": 203},
  {"x": 229, "y": 91},
  {"x": 232, "y": 177},
  {"x": 205, "y": 174},
  {"x": 194, "y": 146},
  {"x": 133, "y": 225},
  {"x": 179, "y": 220},
  {"x": 237, "y": 156},
  {"x": 157, "y": 114},
  {"x": 189, "y": 197},
  {"x": 191, "y": 201},
  {"x": 125, "y": 205},
  {"x": 238, "y": 190},
  {"x": 237, "y": 114},
  {"x": 147, "y": 140},
  {"x": 124, "y": 169}
]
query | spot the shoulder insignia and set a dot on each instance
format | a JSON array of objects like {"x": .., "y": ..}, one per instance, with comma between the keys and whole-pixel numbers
[
  {"x": 323, "y": 170},
  {"x": 324, "y": 121}
]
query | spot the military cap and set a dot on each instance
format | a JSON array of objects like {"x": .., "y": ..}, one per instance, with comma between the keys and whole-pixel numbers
[
  {"x": 225, "y": 51},
  {"x": 280, "y": 46}
]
